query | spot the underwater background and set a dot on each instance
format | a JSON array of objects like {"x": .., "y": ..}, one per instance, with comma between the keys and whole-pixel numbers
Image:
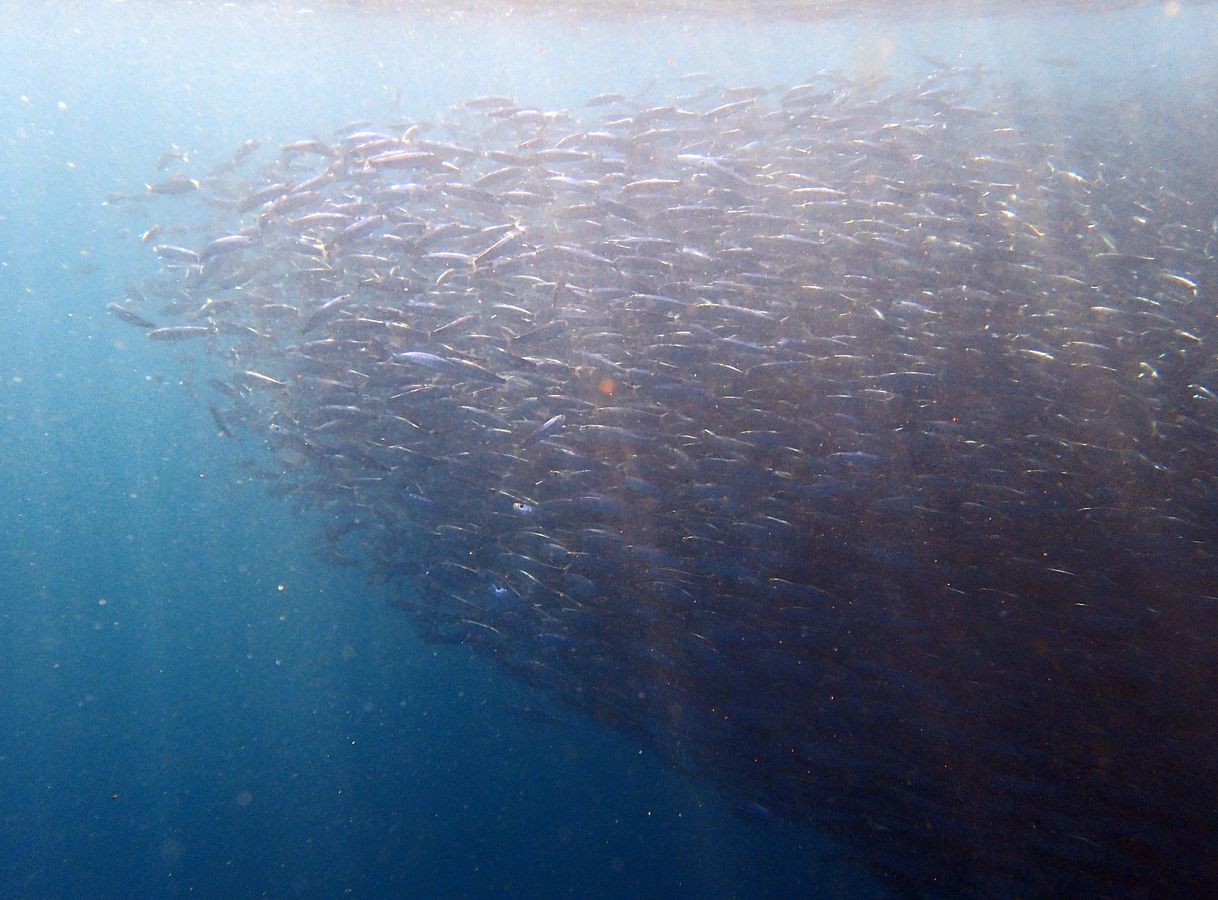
[{"x": 195, "y": 696}]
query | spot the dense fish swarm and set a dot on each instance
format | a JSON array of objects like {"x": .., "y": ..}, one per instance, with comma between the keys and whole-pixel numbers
[{"x": 854, "y": 443}]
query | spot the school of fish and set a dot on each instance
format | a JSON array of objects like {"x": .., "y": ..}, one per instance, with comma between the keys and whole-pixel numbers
[{"x": 852, "y": 443}]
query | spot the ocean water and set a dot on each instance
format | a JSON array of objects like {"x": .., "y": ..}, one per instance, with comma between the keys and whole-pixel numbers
[{"x": 195, "y": 697}]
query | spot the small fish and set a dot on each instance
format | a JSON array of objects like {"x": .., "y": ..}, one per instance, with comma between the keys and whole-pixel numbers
[
  {"x": 179, "y": 332},
  {"x": 218, "y": 418},
  {"x": 131, "y": 318},
  {"x": 178, "y": 184},
  {"x": 449, "y": 366},
  {"x": 544, "y": 430},
  {"x": 496, "y": 249},
  {"x": 226, "y": 244}
]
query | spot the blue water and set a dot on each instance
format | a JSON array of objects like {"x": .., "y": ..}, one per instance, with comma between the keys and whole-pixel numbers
[{"x": 191, "y": 700}]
